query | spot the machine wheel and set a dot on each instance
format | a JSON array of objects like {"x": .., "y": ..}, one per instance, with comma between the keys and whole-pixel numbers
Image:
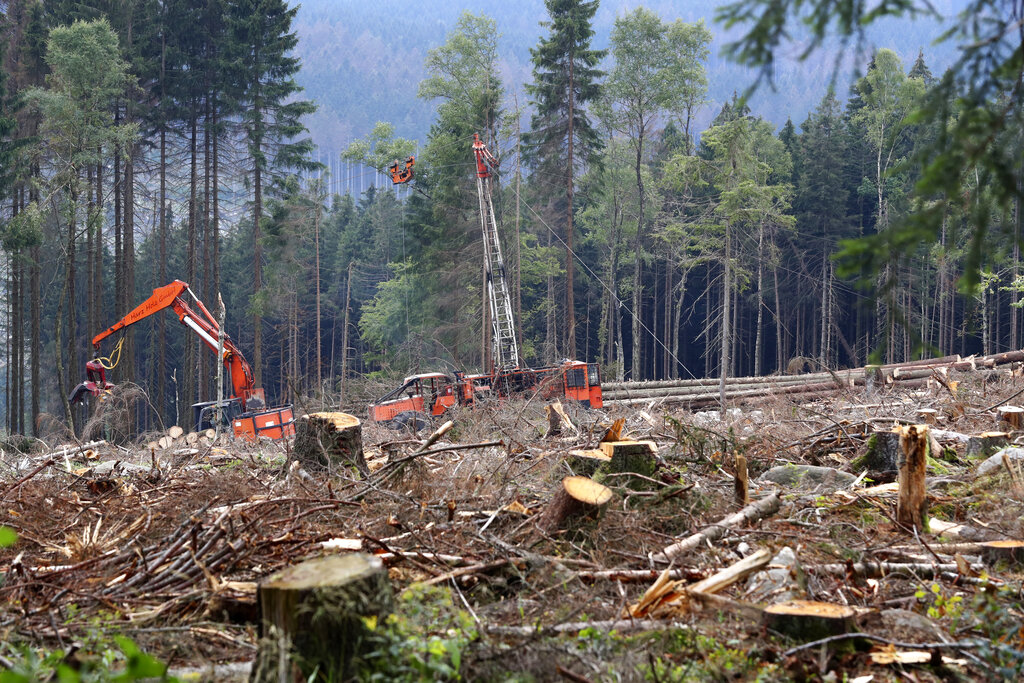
[{"x": 412, "y": 420}]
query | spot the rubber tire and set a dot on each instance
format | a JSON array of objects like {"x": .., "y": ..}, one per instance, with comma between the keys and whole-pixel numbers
[{"x": 411, "y": 420}]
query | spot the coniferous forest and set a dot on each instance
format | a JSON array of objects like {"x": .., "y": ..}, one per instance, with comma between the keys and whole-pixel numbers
[{"x": 153, "y": 140}]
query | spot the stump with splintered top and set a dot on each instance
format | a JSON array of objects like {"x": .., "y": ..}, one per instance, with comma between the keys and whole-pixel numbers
[
  {"x": 329, "y": 441},
  {"x": 313, "y": 618},
  {"x": 809, "y": 620},
  {"x": 912, "y": 504},
  {"x": 577, "y": 503}
]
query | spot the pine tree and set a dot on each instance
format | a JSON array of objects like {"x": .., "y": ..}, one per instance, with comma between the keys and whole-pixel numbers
[
  {"x": 260, "y": 45},
  {"x": 562, "y": 140}
]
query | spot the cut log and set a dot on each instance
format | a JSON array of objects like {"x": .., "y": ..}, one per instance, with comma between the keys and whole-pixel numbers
[
  {"x": 192, "y": 438},
  {"x": 210, "y": 434},
  {"x": 312, "y": 618},
  {"x": 912, "y": 504},
  {"x": 809, "y": 620},
  {"x": 587, "y": 462},
  {"x": 175, "y": 432},
  {"x": 329, "y": 440},
  {"x": 986, "y": 443},
  {"x": 165, "y": 442},
  {"x": 577, "y": 502},
  {"x": 1010, "y": 418}
]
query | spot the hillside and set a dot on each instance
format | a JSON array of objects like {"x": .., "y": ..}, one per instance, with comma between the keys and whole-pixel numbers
[{"x": 362, "y": 63}]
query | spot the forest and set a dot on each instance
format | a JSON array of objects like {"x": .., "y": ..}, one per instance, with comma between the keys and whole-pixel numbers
[{"x": 147, "y": 141}]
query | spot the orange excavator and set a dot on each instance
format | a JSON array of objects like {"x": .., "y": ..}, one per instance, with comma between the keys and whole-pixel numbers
[{"x": 246, "y": 409}]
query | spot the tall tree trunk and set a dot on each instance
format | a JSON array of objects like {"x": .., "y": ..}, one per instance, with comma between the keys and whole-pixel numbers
[
  {"x": 257, "y": 275},
  {"x": 188, "y": 383},
  {"x": 726, "y": 319},
  {"x": 636, "y": 371},
  {"x": 128, "y": 254},
  {"x": 161, "y": 323},
  {"x": 570, "y": 302},
  {"x": 758, "y": 336}
]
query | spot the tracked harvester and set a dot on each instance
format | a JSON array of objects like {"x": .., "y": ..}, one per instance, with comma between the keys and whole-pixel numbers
[
  {"x": 420, "y": 397},
  {"x": 246, "y": 408}
]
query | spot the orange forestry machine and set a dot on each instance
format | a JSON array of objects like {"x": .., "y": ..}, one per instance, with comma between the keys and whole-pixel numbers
[
  {"x": 429, "y": 395},
  {"x": 246, "y": 409}
]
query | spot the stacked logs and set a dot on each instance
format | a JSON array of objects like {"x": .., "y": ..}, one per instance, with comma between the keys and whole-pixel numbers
[{"x": 696, "y": 393}]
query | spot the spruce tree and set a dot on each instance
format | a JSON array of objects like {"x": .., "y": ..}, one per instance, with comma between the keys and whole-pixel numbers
[
  {"x": 562, "y": 140},
  {"x": 261, "y": 41}
]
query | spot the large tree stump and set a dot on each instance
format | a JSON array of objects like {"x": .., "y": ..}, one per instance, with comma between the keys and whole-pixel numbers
[
  {"x": 986, "y": 443},
  {"x": 312, "y": 618},
  {"x": 912, "y": 504},
  {"x": 587, "y": 462},
  {"x": 809, "y": 620},
  {"x": 577, "y": 502},
  {"x": 1010, "y": 418},
  {"x": 881, "y": 457},
  {"x": 327, "y": 440},
  {"x": 630, "y": 457}
]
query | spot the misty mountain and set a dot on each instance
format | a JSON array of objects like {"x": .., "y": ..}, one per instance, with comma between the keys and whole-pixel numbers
[{"x": 363, "y": 61}]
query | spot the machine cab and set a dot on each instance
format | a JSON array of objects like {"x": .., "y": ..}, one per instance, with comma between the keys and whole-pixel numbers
[
  {"x": 583, "y": 383},
  {"x": 428, "y": 394}
]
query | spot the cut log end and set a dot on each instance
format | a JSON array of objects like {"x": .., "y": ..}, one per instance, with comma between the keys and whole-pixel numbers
[
  {"x": 327, "y": 440},
  {"x": 587, "y": 491},
  {"x": 312, "y": 617},
  {"x": 577, "y": 502}
]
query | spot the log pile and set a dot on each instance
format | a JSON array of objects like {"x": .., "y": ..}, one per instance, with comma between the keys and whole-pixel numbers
[{"x": 698, "y": 393}]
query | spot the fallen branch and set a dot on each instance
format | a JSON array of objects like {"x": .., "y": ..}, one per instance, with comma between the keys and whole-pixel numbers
[
  {"x": 752, "y": 513},
  {"x": 620, "y": 625}
]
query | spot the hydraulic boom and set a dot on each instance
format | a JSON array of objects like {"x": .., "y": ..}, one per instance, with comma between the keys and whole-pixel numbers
[{"x": 248, "y": 411}]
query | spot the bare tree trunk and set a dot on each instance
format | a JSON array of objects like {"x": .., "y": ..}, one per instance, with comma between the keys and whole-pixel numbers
[
  {"x": 188, "y": 394},
  {"x": 636, "y": 370},
  {"x": 726, "y": 299},
  {"x": 758, "y": 336}
]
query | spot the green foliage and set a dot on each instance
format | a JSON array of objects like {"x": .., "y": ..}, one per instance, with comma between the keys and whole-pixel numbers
[
  {"x": 424, "y": 640},
  {"x": 975, "y": 109},
  {"x": 7, "y": 537},
  {"x": 939, "y": 605},
  {"x": 119, "y": 661},
  {"x": 380, "y": 148}
]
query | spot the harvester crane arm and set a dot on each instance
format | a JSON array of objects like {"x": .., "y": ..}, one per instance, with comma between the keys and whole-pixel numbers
[
  {"x": 505, "y": 348},
  {"x": 203, "y": 324}
]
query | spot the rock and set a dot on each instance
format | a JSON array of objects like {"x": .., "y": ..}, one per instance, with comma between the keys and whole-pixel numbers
[
  {"x": 784, "y": 581},
  {"x": 903, "y": 624},
  {"x": 808, "y": 477},
  {"x": 995, "y": 463}
]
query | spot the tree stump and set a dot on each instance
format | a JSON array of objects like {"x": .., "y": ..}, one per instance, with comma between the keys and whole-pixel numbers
[
  {"x": 809, "y": 620},
  {"x": 1009, "y": 550},
  {"x": 881, "y": 457},
  {"x": 327, "y": 440},
  {"x": 630, "y": 457},
  {"x": 986, "y": 443},
  {"x": 1010, "y": 418},
  {"x": 577, "y": 502},
  {"x": 587, "y": 462},
  {"x": 312, "y": 618},
  {"x": 912, "y": 504}
]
